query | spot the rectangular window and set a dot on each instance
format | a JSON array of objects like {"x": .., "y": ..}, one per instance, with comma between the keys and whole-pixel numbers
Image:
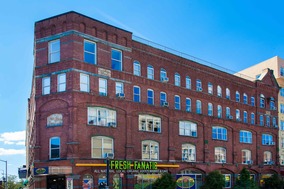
[
  {"x": 252, "y": 102},
  {"x": 245, "y": 137},
  {"x": 188, "y": 105},
  {"x": 54, "y": 51},
  {"x": 101, "y": 146},
  {"x": 282, "y": 125},
  {"x": 262, "y": 102},
  {"x": 267, "y": 139},
  {"x": 119, "y": 89},
  {"x": 282, "y": 91},
  {"x": 61, "y": 82},
  {"x": 150, "y": 150},
  {"x": 261, "y": 121},
  {"x": 219, "y": 133},
  {"x": 163, "y": 98},
  {"x": 84, "y": 82},
  {"x": 177, "y": 102},
  {"x": 101, "y": 116},
  {"x": 198, "y": 107},
  {"x": 103, "y": 87},
  {"x": 136, "y": 94},
  {"x": 150, "y": 98},
  {"x": 116, "y": 59},
  {"x": 150, "y": 72},
  {"x": 46, "y": 85},
  {"x": 282, "y": 108},
  {"x": 149, "y": 123},
  {"x": 281, "y": 71},
  {"x": 187, "y": 128},
  {"x": 89, "y": 52},
  {"x": 188, "y": 82},
  {"x": 54, "y": 147}
]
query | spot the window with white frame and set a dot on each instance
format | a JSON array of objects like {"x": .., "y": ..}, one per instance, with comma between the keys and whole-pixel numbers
[
  {"x": 228, "y": 113},
  {"x": 268, "y": 121},
  {"x": 261, "y": 120},
  {"x": 54, "y": 148},
  {"x": 163, "y": 75},
  {"x": 149, "y": 123},
  {"x": 54, "y": 51},
  {"x": 187, "y": 82},
  {"x": 136, "y": 68},
  {"x": 101, "y": 146},
  {"x": 177, "y": 102},
  {"x": 245, "y": 117},
  {"x": 267, "y": 158},
  {"x": 54, "y": 120},
  {"x": 228, "y": 93},
  {"x": 150, "y": 72},
  {"x": 245, "y": 98},
  {"x": 262, "y": 101},
  {"x": 84, "y": 82},
  {"x": 188, "y": 152},
  {"x": 150, "y": 96},
  {"x": 61, "y": 82},
  {"x": 238, "y": 115},
  {"x": 136, "y": 94},
  {"x": 267, "y": 139},
  {"x": 237, "y": 96},
  {"x": 119, "y": 88},
  {"x": 188, "y": 105},
  {"x": 219, "y": 133},
  {"x": 177, "y": 79},
  {"x": 163, "y": 98},
  {"x": 252, "y": 101},
  {"x": 198, "y": 85},
  {"x": 46, "y": 85},
  {"x": 210, "y": 88},
  {"x": 116, "y": 59},
  {"x": 219, "y": 91},
  {"x": 198, "y": 107},
  {"x": 246, "y": 157},
  {"x": 150, "y": 150},
  {"x": 220, "y": 155},
  {"x": 219, "y": 111},
  {"x": 187, "y": 128},
  {"x": 102, "y": 87},
  {"x": 90, "y": 49},
  {"x": 210, "y": 109},
  {"x": 245, "y": 137},
  {"x": 252, "y": 118},
  {"x": 101, "y": 116}
]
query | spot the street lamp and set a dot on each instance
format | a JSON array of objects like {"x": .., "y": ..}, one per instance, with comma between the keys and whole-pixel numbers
[{"x": 6, "y": 184}]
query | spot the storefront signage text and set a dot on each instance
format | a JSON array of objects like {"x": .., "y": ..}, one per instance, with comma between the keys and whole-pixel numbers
[{"x": 136, "y": 165}]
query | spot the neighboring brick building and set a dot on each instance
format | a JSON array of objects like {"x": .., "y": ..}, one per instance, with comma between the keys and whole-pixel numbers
[{"x": 96, "y": 92}]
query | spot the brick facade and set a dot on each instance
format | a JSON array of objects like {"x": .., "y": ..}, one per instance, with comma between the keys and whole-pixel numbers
[{"x": 75, "y": 132}]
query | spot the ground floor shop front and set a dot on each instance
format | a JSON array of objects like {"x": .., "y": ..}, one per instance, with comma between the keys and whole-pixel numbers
[{"x": 90, "y": 176}]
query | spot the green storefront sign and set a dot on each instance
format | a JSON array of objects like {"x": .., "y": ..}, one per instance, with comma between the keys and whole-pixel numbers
[{"x": 135, "y": 165}]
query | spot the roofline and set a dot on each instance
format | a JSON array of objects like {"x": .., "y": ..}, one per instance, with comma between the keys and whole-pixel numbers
[{"x": 69, "y": 12}]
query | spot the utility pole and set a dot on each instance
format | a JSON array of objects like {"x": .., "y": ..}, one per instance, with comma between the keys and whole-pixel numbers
[{"x": 6, "y": 179}]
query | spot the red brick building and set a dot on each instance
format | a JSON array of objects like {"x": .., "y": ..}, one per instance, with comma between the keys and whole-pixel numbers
[{"x": 98, "y": 93}]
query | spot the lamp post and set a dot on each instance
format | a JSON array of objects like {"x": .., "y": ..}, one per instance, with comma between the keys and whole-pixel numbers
[{"x": 6, "y": 180}]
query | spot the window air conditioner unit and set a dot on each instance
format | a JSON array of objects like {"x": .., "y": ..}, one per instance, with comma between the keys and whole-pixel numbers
[
  {"x": 199, "y": 89},
  {"x": 120, "y": 95},
  {"x": 165, "y": 79},
  {"x": 109, "y": 155},
  {"x": 165, "y": 104}
]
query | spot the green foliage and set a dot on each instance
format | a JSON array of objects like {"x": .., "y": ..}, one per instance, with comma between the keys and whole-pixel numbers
[
  {"x": 165, "y": 182},
  {"x": 273, "y": 182},
  {"x": 245, "y": 181},
  {"x": 13, "y": 183},
  {"x": 214, "y": 180}
]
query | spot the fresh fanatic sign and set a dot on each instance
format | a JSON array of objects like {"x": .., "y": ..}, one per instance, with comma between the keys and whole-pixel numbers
[{"x": 135, "y": 165}]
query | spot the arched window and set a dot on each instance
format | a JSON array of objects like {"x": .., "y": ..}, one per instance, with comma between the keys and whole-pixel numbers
[
  {"x": 245, "y": 117},
  {"x": 210, "y": 109},
  {"x": 210, "y": 88},
  {"x": 187, "y": 82},
  {"x": 198, "y": 107},
  {"x": 228, "y": 113},
  {"x": 198, "y": 85},
  {"x": 237, "y": 96},
  {"x": 150, "y": 72},
  {"x": 136, "y": 68},
  {"x": 245, "y": 96},
  {"x": 188, "y": 105},
  {"x": 163, "y": 75},
  {"x": 163, "y": 99},
  {"x": 150, "y": 150},
  {"x": 101, "y": 145},
  {"x": 219, "y": 111},
  {"x": 219, "y": 91},
  {"x": 219, "y": 133},
  {"x": 136, "y": 94},
  {"x": 228, "y": 93},
  {"x": 246, "y": 157},
  {"x": 252, "y": 118},
  {"x": 150, "y": 96},
  {"x": 267, "y": 158},
  {"x": 177, "y": 79},
  {"x": 188, "y": 152},
  {"x": 177, "y": 102}
]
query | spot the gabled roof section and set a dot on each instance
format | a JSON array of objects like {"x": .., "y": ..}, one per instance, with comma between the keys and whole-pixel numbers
[{"x": 267, "y": 77}]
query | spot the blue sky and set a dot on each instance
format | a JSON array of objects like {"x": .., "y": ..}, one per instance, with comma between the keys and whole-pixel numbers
[{"x": 232, "y": 34}]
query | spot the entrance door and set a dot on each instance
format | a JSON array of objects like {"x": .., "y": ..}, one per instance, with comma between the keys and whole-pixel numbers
[{"x": 56, "y": 182}]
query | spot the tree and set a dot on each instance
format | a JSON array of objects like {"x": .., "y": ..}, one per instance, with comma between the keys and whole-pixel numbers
[
  {"x": 13, "y": 183},
  {"x": 245, "y": 181},
  {"x": 273, "y": 182},
  {"x": 214, "y": 180},
  {"x": 164, "y": 182}
]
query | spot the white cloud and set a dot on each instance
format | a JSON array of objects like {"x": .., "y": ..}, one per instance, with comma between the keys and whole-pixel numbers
[
  {"x": 10, "y": 138},
  {"x": 12, "y": 152}
]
